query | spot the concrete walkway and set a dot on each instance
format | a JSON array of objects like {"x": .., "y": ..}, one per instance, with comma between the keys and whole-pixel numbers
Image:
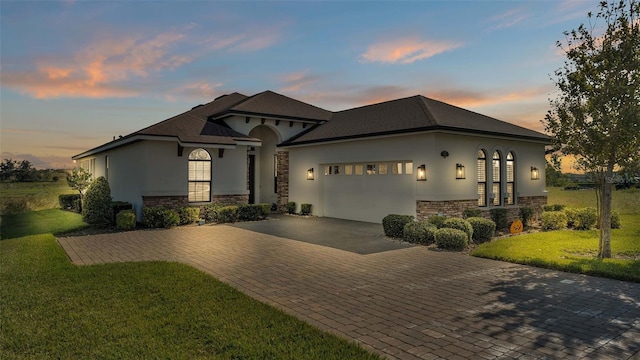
[{"x": 411, "y": 303}]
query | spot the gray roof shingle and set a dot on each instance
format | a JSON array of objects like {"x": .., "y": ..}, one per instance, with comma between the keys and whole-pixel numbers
[{"x": 412, "y": 114}]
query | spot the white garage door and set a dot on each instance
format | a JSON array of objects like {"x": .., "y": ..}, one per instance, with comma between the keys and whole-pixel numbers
[{"x": 368, "y": 191}]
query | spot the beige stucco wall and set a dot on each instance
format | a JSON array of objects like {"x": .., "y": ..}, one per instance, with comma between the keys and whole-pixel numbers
[{"x": 371, "y": 197}]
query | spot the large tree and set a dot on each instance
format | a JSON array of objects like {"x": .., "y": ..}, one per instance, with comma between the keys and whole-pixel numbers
[{"x": 596, "y": 114}]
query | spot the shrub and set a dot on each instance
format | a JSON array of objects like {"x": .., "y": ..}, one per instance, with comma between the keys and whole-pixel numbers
[
  {"x": 153, "y": 216},
  {"x": 499, "y": 216},
  {"x": 451, "y": 239},
  {"x": 305, "y": 209},
  {"x": 117, "y": 206},
  {"x": 526, "y": 214},
  {"x": 585, "y": 218},
  {"x": 291, "y": 207},
  {"x": 97, "y": 209},
  {"x": 188, "y": 214},
  {"x": 170, "y": 218},
  {"x": 15, "y": 206},
  {"x": 483, "y": 229},
  {"x": 554, "y": 220},
  {"x": 615, "y": 220},
  {"x": 469, "y": 213},
  {"x": 253, "y": 212},
  {"x": 212, "y": 212},
  {"x": 69, "y": 202},
  {"x": 227, "y": 214},
  {"x": 419, "y": 232},
  {"x": 572, "y": 214},
  {"x": 460, "y": 224},
  {"x": 394, "y": 224},
  {"x": 553, "y": 207},
  {"x": 437, "y": 220},
  {"x": 126, "y": 220},
  {"x": 265, "y": 210}
]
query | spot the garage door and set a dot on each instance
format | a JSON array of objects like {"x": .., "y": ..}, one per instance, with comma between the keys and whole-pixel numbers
[{"x": 368, "y": 191}]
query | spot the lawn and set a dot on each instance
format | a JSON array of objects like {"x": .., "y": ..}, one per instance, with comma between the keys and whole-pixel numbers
[
  {"x": 54, "y": 221},
  {"x": 573, "y": 250},
  {"x": 31, "y": 196}
]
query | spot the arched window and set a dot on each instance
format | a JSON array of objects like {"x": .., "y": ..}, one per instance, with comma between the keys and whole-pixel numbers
[
  {"x": 482, "y": 178},
  {"x": 511, "y": 179},
  {"x": 199, "y": 176},
  {"x": 497, "y": 195}
]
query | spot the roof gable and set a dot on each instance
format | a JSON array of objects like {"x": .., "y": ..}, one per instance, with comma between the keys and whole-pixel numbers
[{"x": 269, "y": 103}]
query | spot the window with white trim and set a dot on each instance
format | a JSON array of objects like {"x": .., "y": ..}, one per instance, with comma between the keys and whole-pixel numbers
[
  {"x": 511, "y": 179},
  {"x": 199, "y": 176},
  {"x": 497, "y": 185},
  {"x": 482, "y": 178}
]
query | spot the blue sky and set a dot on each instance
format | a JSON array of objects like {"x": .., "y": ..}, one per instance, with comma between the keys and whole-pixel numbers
[{"x": 74, "y": 74}]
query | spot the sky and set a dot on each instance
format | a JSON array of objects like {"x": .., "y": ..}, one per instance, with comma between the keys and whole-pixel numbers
[{"x": 73, "y": 74}]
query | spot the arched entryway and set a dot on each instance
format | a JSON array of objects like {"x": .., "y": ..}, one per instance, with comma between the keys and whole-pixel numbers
[{"x": 262, "y": 166}]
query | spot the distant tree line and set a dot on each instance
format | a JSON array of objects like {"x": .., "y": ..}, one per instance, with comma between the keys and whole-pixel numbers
[{"x": 23, "y": 171}]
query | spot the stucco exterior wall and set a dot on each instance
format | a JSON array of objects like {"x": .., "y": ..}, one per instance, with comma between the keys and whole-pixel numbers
[{"x": 371, "y": 197}]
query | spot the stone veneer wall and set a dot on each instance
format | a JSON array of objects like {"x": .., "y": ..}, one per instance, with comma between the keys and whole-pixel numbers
[
  {"x": 283, "y": 180},
  {"x": 171, "y": 201},
  {"x": 230, "y": 199},
  {"x": 452, "y": 208}
]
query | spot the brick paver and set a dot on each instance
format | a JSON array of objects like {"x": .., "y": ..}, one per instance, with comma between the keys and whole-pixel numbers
[{"x": 412, "y": 303}]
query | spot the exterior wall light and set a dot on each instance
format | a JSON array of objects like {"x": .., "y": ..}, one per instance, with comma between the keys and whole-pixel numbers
[
  {"x": 310, "y": 174},
  {"x": 422, "y": 173},
  {"x": 535, "y": 173},
  {"x": 444, "y": 153},
  {"x": 460, "y": 171}
]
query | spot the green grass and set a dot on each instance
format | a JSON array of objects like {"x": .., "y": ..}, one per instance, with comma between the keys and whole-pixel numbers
[
  {"x": 32, "y": 196},
  {"x": 575, "y": 251},
  {"x": 52, "y": 309},
  {"x": 53, "y": 221}
]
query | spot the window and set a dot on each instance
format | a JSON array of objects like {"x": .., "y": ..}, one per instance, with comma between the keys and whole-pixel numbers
[
  {"x": 106, "y": 167},
  {"x": 510, "y": 200},
  {"x": 382, "y": 169},
  {"x": 397, "y": 168},
  {"x": 497, "y": 200},
  {"x": 336, "y": 169},
  {"x": 371, "y": 169},
  {"x": 348, "y": 169},
  {"x": 199, "y": 176},
  {"x": 275, "y": 173},
  {"x": 408, "y": 168},
  {"x": 359, "y": 169},
  {"x": 482, "y": 178}
]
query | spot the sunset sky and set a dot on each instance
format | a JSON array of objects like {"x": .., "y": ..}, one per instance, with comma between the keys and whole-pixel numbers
[{"x": 74, "y": 74}]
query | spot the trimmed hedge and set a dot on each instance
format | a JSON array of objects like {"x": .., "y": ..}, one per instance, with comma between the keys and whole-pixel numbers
[
  {"x": 227, "y": 214},
  {"x": 554, "y": 220},
  {"x": 305, "y": 209},
  {"x": 188, "y": 214},
  {"x": 394, "y": 224},
  {"x": 499, "y": 216},
  {"x": 291, "y": 207},
  {"x": 526, "y": 214},
  {"x": 451, "y": 239},
  {"x": 118, "y": 206},
  {"x": 483, "y": 229},
  {"x": 70, "y": 202},
  {"x": 553, "y": 207},
  {"x": 212, "y": 212},
  {"x": 419, "y": 232},
  {"x": 469, "y": 213},
  {"x": 253, "y": 212},
  {"x": 159, "y": 217},
  {"x": 437, "y": 220},
  {"x": 460, "y": 224},
  {"x": 126, "y": 220}
]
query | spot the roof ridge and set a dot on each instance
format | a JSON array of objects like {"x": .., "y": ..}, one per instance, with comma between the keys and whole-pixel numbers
[
  {"x": 427, "y": 112},
  {"x": 375, "y": 104}
]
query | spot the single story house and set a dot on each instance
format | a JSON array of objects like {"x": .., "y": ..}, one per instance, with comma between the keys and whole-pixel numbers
[{"x": 415, "y": 156}]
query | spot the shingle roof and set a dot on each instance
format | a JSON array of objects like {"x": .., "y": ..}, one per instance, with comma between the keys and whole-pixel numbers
[
  {"x": 268, "y": 103},
  {"x": 412, "y": 114}
]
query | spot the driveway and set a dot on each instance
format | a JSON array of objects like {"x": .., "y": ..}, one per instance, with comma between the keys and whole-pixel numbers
[
  {"x": 354, "y": 236},
  {"x": 410, "y": 303}
]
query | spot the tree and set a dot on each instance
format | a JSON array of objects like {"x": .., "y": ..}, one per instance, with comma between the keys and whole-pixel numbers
[
  {"x": 7, "y": 169},
  {"x": 79, "y": 179},
  {"x": 96, "y": 208},
  {"x": 595, "y": 116}
]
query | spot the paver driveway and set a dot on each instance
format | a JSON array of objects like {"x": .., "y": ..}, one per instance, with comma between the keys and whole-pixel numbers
[{"x": 408, "y": 303}]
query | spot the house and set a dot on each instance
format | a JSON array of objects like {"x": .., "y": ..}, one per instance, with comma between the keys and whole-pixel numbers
[{"x": 414, "y": 156}]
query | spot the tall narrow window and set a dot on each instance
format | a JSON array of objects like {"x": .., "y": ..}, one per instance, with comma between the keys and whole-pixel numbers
[
  {"x": 482, "y": 178},
  {"x": 511, "y": 179},
  {"x": 497, "y": 195},
  {"x": 275, "y": 173},
  {"x": 106, "y": 167},
  {"x": 199, "y": 176}
]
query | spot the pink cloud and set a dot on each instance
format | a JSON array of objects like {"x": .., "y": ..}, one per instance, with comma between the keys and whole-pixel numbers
[
  {"x": 406, "y": 51},
  {"x": 507, "y": 19},
  {"x": 249, "y": 40},
  {"x": 97, "y": 70}
]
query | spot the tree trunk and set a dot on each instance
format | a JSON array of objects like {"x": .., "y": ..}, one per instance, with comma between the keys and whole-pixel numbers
[{"x": 604, "y": 251}]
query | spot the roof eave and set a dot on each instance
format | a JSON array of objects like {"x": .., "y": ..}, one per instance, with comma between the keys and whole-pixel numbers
[{"x": 226, "y": 114}]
